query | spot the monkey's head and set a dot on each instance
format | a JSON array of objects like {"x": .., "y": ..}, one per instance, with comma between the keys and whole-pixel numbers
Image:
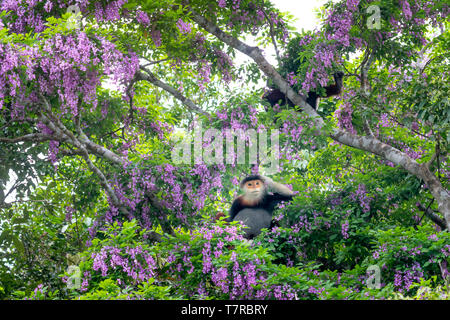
[
  {"x": 254, "y": 188},
  {"x": 338, "y": 76}
]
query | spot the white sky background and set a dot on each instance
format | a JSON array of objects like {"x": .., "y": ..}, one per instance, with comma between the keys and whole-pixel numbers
[{"x": 302, "y": 10}]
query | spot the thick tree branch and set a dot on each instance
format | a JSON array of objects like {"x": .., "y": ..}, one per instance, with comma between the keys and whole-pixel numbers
[
  {"x": 96, "y": 149},
  {"x": 83, "y": 145},
  {"x": 32, "y": 137},
  {"x": 102, "y": 152}
]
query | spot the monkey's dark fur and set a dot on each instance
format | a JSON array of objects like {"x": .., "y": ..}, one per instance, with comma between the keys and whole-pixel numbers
[
  {"x": 254, "y": 219},
  {"x": 275, "y": 95}
]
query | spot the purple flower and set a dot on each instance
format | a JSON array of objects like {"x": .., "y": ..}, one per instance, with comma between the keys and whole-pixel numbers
[
  {"x": 406, "y": 9},
  {"x": 48, "y": 6},
  {"x": 69, "y": 212},
  {"x": 156, "y": 37},
  {"x": 344, "y": 229},
  {"x": 221, "y": 3},
  {"x": 142, "y": 17},
  {"x": 183, "y": 26},
  {"x": 352, "y": 5}
]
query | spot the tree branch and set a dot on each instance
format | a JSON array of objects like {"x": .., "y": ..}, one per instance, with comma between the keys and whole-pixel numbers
[
  {"x": 364, "y": 78},
  {"x": 149, "y": 76},
  {"x": 83, "y": 144},
  {"x": 96, "y": 149},
  {"x": 80, "y": 146},
  {"x": 32, "y": 137},
  {"x": 274, "y": 42},
  {"x": 154, "y": 62},
  {"x": 433, "y": 217}
]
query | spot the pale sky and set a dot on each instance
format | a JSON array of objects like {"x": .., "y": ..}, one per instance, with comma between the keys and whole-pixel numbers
[{"x": 303, "y": 10}]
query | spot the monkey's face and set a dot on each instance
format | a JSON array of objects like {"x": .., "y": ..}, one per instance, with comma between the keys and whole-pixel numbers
[{"x": 254, "y": 189}]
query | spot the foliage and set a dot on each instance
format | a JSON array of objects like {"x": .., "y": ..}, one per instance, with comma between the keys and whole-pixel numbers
[
  {"x": 408, "y": 255},
  {"x": 425, "y": 292},
  {"x": 92, "y": 104},
  {"x": 210, "y": 263}
]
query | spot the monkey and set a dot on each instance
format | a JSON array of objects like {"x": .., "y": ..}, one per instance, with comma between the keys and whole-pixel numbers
[
  {"x": 255, "y": 207},
  {"x": 275, "y": 95}
]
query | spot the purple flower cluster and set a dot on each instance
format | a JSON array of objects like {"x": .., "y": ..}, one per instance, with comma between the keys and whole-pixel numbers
[
  {"x": 64, "y": 68},
  {"x": 404, "y": 279},
  {"x": 204, "y": 74},
  {"x": 352, "y": 5},
  {"x": 236, "y": 278},
  {"x": 344, "y": 113},
  {"x": 303, "y": 223},
  {"x": 406, "y": 9},
  {"x": 134, "y": 264},
  {"x": 221, "y": 3},
  {"x": 344, "y": 229},
  {"x": 317, "y": 74},
  {"x": 384, "y": 121},
  {"x": 181, "y": 198},
  {"x": 291, "y": 78},
  {"x": 446, "y": 250},
  {"x": 376, "y": 253},
  {"x": 340, "y": 23},
  {"x": 361, "y": 195},
  {"x": 69, "y": 212},
  {"x": 110, "y": 12},
  {"x": 224, "y": 64},
  {"x": 184, "y": 27},
  {"x": 156, "y": 37},
  {"x": 142, "y": 18}
]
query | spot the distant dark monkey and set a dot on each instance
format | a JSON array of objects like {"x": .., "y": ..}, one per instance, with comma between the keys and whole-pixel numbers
[{"x": 275, "y": 95}]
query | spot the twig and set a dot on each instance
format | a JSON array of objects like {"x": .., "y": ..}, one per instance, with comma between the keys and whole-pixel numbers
[{"x": 272, "y": 35}]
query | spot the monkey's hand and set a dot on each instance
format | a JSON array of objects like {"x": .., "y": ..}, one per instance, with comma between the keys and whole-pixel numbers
[
  {"x": 277, "y": 187},
  {"x": 267, "y": 181}
]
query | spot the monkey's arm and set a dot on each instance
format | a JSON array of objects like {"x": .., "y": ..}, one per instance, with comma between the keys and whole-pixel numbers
[
  {"x": 234, "y": 210},
  {"x": 275, "y": 96},
  {"x": 336, "y": 88},
  {"x": 278, "y": 188}
]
